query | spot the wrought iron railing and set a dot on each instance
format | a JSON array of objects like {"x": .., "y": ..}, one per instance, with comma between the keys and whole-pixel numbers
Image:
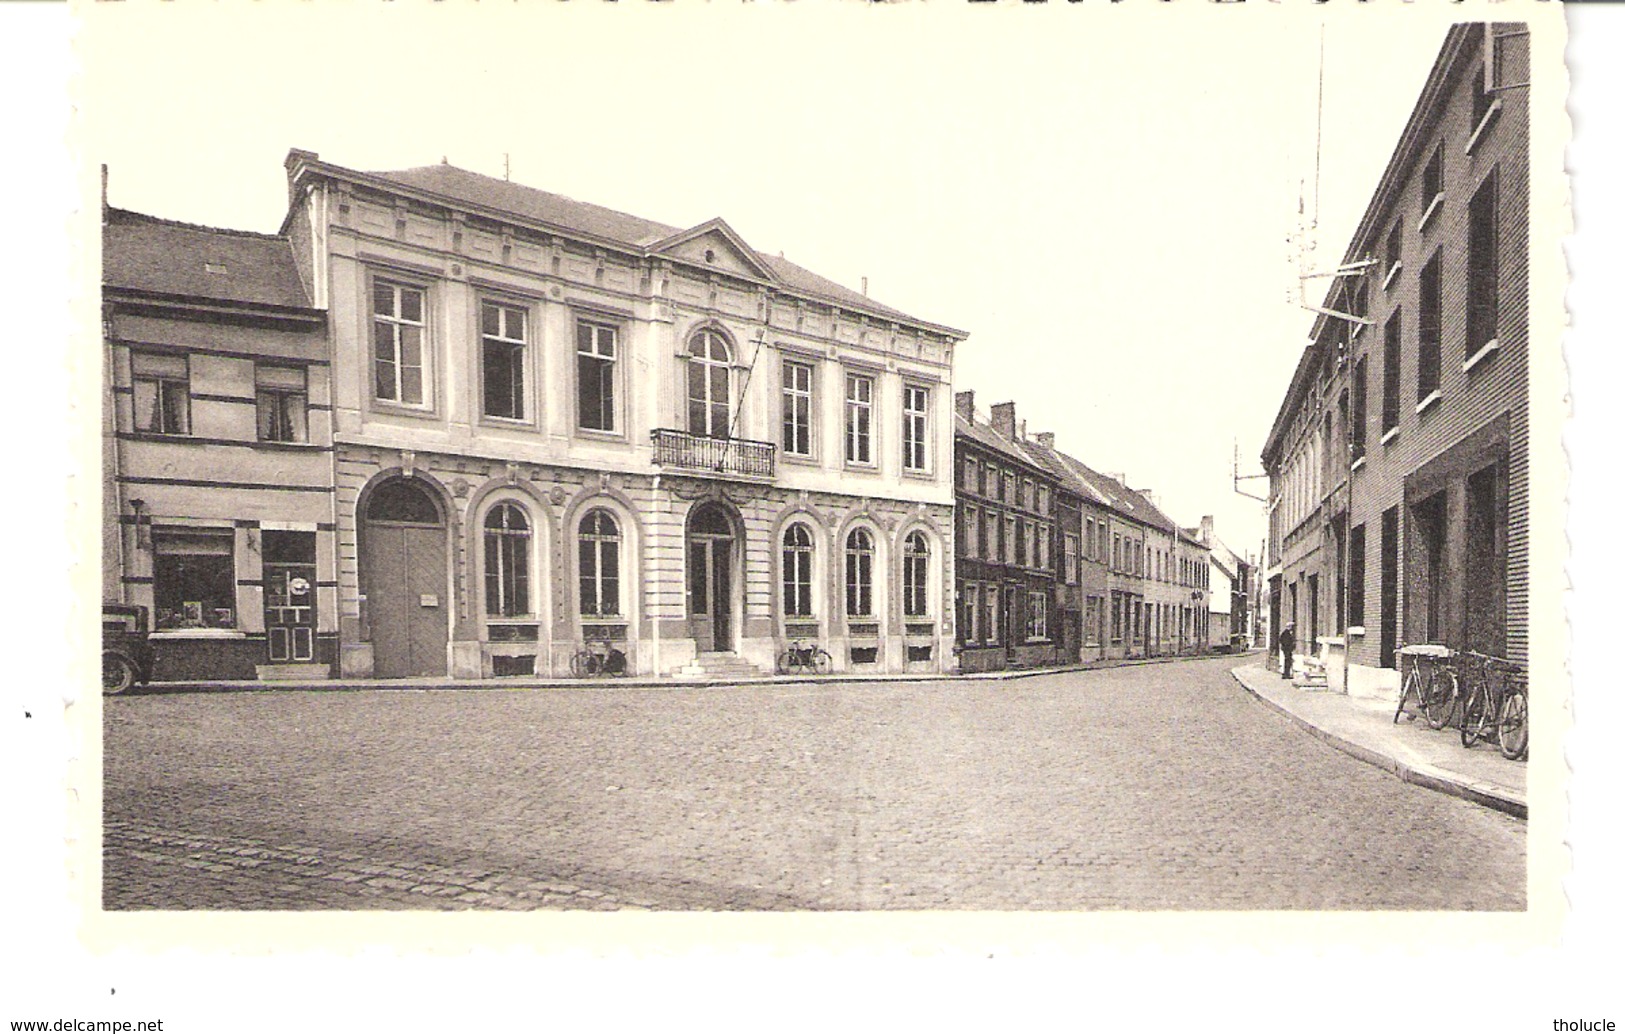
[{"x": 713, "y": 455}]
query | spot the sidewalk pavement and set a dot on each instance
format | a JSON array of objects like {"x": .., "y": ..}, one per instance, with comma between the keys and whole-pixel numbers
[
  {"x": 1365, "y": 729},
  {"x": 629, "y": 681}
]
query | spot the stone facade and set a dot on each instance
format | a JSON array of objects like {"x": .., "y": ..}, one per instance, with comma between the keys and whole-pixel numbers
[{"x": 560, "y": 426}]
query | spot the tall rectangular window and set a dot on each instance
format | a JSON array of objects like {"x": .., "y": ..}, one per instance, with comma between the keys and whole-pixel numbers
[
  {"x": 1389, "y": 588},
  {"x": 1391, "y": 254},
  {"x": 1428, "y": 330},
  {"x": 1356, "y": 562},
  {"x": 798, "y": 409},
  {"x": 596, "y": 356},
  {"x": 161, "y": 385},
  {"x": 280, "y": 403},
  {"x": 1483, "y": 268},
  {"x": 1069, "y": 558},
  {"x": 970, "y": 610},
  {"x": 1486, "y": 532},
  {"x": 973, "y": 528},
  {"x": 860, "y": 396},
  {"x": 1037, "y": 615},
  {"x": 991, "y": 613},
  {"x": 502, "y": 357},
  {"x": 1357, "y": 411},
  {"x": 992, "y": 544},
  {"x": 1011, "y": 538},
  {"x": 1391, "y": 351},
  {"x": 398, "y": 327},
  {"x": 916, "y": 423},
  {"x": 1433, "y": 178},
  {"x": 1023, "y": 537}
]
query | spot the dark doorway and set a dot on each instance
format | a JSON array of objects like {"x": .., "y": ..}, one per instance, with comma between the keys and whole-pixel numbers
[{"x": 710, "y": 578}]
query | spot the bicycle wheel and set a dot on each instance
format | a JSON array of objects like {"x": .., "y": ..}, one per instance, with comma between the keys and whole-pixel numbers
[
  {"x": 1408, "y": 691},
  {"x": 581, "y": 665},
  {"x": 822, "y": 662},
  {"x": 785, "y": 662},
  {"x": 1439, "y": 699},
  {"x": 1475, "y": 716},
  {"x": 1514, "y": 724}
]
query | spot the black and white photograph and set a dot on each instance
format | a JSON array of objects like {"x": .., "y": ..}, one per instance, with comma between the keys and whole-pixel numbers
[{"x": 822, "y": 476}]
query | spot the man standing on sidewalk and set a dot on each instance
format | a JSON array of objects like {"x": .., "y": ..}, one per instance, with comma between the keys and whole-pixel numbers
[{"x": 1289, "y": 642}]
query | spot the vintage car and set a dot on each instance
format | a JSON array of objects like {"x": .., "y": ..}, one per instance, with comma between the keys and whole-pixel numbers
[{"x": 126, "y": 651}]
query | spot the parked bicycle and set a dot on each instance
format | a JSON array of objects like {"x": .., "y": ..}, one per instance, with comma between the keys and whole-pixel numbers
[
  {"x": 599, "y": 657},
  {"x": 1430, "y": 687},
  {"x": 1515, "y": 717},
  {"x": 1496, "y": 706},
  {"x": 805, "y": 658}
]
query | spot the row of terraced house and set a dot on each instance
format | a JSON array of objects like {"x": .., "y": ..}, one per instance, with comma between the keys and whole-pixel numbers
[
  {"x": 441, "y": 424},
  {"x": 1399, "y": 458}
]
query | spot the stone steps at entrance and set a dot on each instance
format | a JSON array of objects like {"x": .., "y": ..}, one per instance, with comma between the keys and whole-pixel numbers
[{"x": 719, "y": 666}]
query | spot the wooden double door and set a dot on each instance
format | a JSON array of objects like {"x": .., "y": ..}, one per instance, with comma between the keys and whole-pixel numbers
[{"x": 403, "y": 572}]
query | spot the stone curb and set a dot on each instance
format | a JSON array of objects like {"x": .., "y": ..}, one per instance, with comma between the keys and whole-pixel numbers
[
  {"x": 632, "y": 682},
  {"x": 1429, "y": 777}
]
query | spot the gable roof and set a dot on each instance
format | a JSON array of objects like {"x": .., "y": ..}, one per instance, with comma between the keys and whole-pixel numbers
[
  {"x": 984, "y": 435},
  {"x": 159, "y": 256},
  {"x": 634, "y": 233}
]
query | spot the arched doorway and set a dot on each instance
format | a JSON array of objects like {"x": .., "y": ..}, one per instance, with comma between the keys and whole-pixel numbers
[
  {"x": 403, "y": 572},
  {"x": 711, "y": 550}
]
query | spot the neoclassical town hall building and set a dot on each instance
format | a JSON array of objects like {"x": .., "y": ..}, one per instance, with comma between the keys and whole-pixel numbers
[{"x": 553, "y": 424}]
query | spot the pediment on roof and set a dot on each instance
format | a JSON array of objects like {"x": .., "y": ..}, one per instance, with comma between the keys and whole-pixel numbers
[{"x": 714, "y": 244}]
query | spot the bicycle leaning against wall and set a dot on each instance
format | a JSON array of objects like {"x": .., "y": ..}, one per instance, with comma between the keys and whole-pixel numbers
[
  {"x": 1430, "y": 686},
  {"x": 1496, "y": 704}
]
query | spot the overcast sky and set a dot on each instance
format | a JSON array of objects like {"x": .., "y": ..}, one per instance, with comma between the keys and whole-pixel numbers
[{"x": 1102, "y": 203}]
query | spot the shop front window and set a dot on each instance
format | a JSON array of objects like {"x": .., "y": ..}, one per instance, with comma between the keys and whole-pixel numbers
[{"x": 194, "y": 582}]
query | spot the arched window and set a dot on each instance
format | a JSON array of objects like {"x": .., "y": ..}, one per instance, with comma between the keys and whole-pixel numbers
[
  {"x": 916, "y": 557},
  {"x": 798, "y": 558},
  {"x": 860, "y": 573},
  {"x": 600, "y": 552},
  {"x": 709, "y": 363},
  {"x": 507, "y": 562}
]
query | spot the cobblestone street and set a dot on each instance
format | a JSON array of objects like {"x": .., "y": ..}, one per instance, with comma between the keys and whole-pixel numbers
[{"x": 1154, "y": 787}]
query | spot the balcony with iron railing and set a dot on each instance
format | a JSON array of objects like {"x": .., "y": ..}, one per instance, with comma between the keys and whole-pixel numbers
[{"x": 716, "y": 457}]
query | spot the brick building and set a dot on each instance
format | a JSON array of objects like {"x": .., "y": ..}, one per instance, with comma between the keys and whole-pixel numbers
[
  {"x": 1398, "y": 461},
  {"x": 1120, "y": 578},
  {"x": 218, "y": 494},
  {"x": 557, "y": 424},
  {"x": 1005, "y": 568}
]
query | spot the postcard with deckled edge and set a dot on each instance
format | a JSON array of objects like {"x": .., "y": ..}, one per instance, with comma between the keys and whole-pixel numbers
[{"x": 674, "y": 579}]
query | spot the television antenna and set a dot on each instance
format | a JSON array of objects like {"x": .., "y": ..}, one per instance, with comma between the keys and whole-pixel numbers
[
  {"x": 1237, "y": 477},
  {"x": 1304, "y": 239}
]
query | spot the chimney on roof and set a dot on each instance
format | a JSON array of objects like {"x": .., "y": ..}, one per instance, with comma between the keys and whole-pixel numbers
[
  {"x": 104, "y": 193},
  {"x": 1046, "y": 439},
  {"x": 1207, "y": 530},
  {"x": 865, "y": 286},
  {"x": 1004, "y": 419},
  {"x": 965, "y": 405},
  {"x": 1150, "y": 496}
]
